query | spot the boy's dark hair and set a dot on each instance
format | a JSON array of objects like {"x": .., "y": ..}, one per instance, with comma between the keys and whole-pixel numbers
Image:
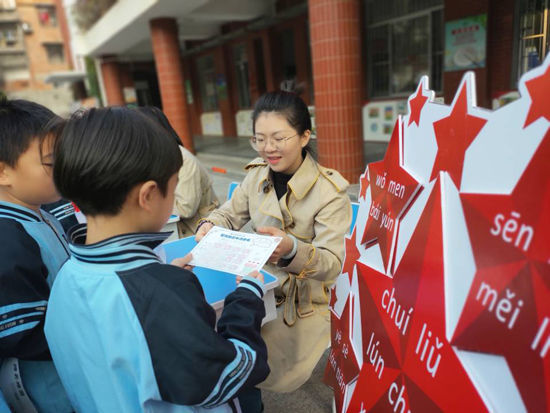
[
  {"x": 288, "y": 104},
  {"x": 21, "y": 122},
  {"x": 102, "y": 154},
  {"x": 157, "y": 115}
]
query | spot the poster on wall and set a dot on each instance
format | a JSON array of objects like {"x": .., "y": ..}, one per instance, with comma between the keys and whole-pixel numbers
[
  {"x": 379, "y": 117},
  {"x": 503, "y": 98},
  {"x": 465, "y": 43},
  {"x": 211, "y": 123},
  {"x": 443, "y": 303},
  {"x": 221, "y": 86},
  {"x": 243, "y": 119},
  {"x": 130, "y": 96}
]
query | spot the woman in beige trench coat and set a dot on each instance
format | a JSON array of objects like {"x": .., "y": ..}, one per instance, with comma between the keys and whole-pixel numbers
[{"x": 287, "y": 193}]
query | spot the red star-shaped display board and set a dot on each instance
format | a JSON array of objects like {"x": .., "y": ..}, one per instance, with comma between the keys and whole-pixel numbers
[
  {"x": 454, "y": 135},
  {"x": 406, "y": 354},
  {"x": 508, "y": 302},
  {"x": 540, "y": 100},
  {"x": 342, "y": 366},
  {"x": 364, "y": 184},
  {"x": 416, "y": 104},
  {"x": 333, "y": 298},
  {"x": 458, "y": 318},
  {"x": 392, "y": 189},
  {"x": 352, "y": 254}
]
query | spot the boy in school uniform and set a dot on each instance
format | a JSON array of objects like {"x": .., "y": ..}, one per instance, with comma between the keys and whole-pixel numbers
[
  {"x": 126, "y": 332},
  {"x": 32, "y": 249}
]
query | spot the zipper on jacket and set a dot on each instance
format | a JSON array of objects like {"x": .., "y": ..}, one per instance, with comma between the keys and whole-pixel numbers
[{"x": 57, "y": 235}]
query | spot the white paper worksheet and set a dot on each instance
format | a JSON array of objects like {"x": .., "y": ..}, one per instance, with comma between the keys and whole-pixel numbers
[{"x": 232, "y": 251}]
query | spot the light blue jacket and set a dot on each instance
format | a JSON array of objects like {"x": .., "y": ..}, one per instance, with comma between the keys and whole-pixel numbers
[{"x": 129, "y": 334}]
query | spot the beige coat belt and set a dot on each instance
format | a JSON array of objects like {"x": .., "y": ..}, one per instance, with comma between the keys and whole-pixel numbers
[{"x": 298, "y": 290}]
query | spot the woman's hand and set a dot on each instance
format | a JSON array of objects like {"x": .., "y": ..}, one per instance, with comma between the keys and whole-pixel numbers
[
  {"x": 203, "y": 230},
  {"x": 183, "y": 262},
  {"x": 284, "y": 247},
  {"x": 254, "y": 274}
]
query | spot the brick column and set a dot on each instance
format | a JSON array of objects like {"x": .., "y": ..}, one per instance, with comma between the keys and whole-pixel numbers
[
  {"x": 268, "y": 61},
  {"x": 164, "y": 36},
  {"x": 110, "y": 72},
  {"x": 225, "y": 107},
  {"x": 500, "y": 47},
  {"x": 336, "y": 57},
  {"x": 252, "y": 70}
]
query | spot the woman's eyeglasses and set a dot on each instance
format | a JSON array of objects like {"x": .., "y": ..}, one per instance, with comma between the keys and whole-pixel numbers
[{"x": 259, "y": 143}]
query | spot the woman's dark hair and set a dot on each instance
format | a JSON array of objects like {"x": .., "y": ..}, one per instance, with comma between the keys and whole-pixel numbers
[
  {"x": 102, "y": 154},
  {"x": 157, "y": 115},
  {"x": 288, "y": 104}
]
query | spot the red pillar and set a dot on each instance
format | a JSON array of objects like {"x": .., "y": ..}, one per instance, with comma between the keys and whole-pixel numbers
[
  {"x": 225, "y": 107},
  {"x": 252, "y": 70},
  {"x": 336, "y": 56},
  {"x": 110, "y": 72},
  {"x": 164, "y": 36},
  {"x": 268, "y": 61},
  {"x": 500, "y": 47}
]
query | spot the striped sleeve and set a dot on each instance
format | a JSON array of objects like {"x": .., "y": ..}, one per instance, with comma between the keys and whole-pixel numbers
[
  {"x": 233, "y": 376},
  {"x": 194, "y": 364},
  {"x": 24, "y": 294},
  {"x": 240, "y": 324}
]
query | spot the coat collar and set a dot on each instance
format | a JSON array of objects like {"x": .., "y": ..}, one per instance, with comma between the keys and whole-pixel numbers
[
  {"x": 304, "y": 178},
  {"x": 300, "y": 183},
  {"x": 134, "y": 249},
  {"x": 18, "y": 212}
]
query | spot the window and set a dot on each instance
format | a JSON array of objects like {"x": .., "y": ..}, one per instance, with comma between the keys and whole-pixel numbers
[
  {"x": 7, "y": 4},
  {"x": 240, "y": 60},
  {"x": 207, "y": 83},
  {"x": 46, "y": 15},
  {"x": 10, "y": 36},
  {"x": 533, "y": 31},
  {"x": 402, "y": 48},
  {"x": 54, "y": 52}
]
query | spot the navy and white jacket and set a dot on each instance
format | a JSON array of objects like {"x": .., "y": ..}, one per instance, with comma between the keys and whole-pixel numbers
[
  {"x": 32, "y": 250},
  {"x": 130, "y": 334},
  {"x": 64, "y": 212}
]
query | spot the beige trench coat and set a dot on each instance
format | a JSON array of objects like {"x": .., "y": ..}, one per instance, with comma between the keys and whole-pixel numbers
[
  {"x": 317, "y": 211},
  {"x": 195, "y": 198}
]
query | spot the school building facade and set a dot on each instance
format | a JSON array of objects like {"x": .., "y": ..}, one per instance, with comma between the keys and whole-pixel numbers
[
  {"x": 34, "y": 44},
  {"x": 205, "y": 62}
]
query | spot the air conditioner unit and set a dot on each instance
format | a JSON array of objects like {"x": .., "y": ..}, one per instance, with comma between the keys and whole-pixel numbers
[
  {"x": 27, "y": 28},
  {"x": 10, "y": 38}
]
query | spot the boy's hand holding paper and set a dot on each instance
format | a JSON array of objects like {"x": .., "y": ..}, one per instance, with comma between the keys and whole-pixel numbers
[
  {"x": 183, "y": 262},
  {"x": 254, "y": 274}
]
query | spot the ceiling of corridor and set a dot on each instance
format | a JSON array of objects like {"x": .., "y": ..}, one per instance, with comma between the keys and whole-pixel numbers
[{"x": 124, "y": 29}]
